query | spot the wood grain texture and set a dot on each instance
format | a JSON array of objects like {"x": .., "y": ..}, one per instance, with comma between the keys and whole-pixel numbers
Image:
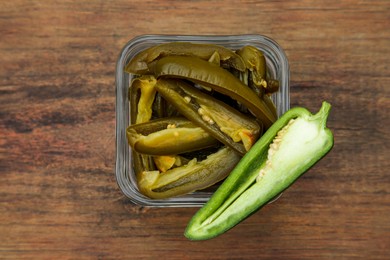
[{"x": 58, "y": 194}]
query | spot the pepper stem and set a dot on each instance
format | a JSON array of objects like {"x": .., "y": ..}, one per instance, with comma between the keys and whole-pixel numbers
[{"x": 323, "y": 114}]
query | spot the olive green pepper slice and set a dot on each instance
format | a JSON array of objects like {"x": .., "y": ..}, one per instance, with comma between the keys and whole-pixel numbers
[
  {"x": 141, "y": 103},
  {"x": 141, "y": 96},
  {"x": 168, "y": 136},
  {"x": 142, "y": 163},
  {"x": 165, "y": 162},
  {"x": 228, "y": 58},
  {"x": 255, "y": 62},
  {"x": 159, "y": 106},
  {"x": 188, "y": 178},
  {"x": 222, "y": 121},
  {"x": 267, "y": 99},
  {"x": 215, "y": 58},
  {"x": 264, "y": 95},
  {"x": 239, "y": 127},
  {"x": 217, "y": 78}
]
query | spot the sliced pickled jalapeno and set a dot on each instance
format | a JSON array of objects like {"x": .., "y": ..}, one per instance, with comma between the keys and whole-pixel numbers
[
  {"x": 168, "y": 136},
  {"x": 141, "y": 95},
  {"x": 166, "y": 162},
  {"x": 228, "y": 58},
  {"x": 215, "y": 58},
  {"x": 194, "y": 175},
  {"x": 141, "y": 162},
  {"x": 255, "y": 62},
  {"x": 219, "y": 79},
  {"x": 221, "y": 121}
]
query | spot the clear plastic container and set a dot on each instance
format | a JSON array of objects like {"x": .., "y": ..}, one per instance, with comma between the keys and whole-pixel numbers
[{"x": 278, "y": 68}]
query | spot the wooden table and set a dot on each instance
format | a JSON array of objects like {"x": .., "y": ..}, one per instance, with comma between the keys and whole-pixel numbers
[{"x": 59, "y": 197}]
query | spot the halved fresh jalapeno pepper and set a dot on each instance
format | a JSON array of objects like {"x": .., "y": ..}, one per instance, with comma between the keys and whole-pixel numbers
[
  {"x": 287, "y": 150},
  {"x": 228, "y": 58},
  {"x": 222, "y": 122},
  {"x": 168, "y": 136},
  {"x": 190, "y": 177},
  {"x": 219, "y": 79}
]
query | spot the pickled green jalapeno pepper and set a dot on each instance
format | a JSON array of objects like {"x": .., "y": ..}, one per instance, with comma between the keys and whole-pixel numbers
[
  {"x": 190, "y": 177},
  {"x": 255, "y": 62},
  {"x": 219, "y": 79},
  {"x": 256, "y": 65},
  {"x": 228, "y": 58},
  {"x": 141, "y": 96},
  {"x": 287, "y": 150},
  {"x": 221, "y": 121},
  {"x": 166, "y": 162},
  {"x": 168, "y": 136},
  {"x": 267, "y": 99},
  {"x": 257, "y": 79},
  {"x": 215, "y": 59},
  {"x": 160, "y": 107},
  {"x": 143, "y": 163},
  {"x": 264, "y": 95}
]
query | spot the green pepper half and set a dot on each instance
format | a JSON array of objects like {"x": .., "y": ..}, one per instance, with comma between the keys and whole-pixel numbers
[{"x": 288, "y": 149}]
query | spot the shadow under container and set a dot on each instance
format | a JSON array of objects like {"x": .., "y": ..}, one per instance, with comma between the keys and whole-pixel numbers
[{"x": 278, "y": 68}]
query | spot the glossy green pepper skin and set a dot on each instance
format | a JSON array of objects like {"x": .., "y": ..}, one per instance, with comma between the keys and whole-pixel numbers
[
  {"x": 228, "y": 58},
  {"x": 215, "y": 77},
  {"x": 220, "y": 120},
  {"x": 287, "y": 150},
  {"x": 168, "y": 136}
]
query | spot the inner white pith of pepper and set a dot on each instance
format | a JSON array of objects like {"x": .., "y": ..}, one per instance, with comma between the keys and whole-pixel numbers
[{"x": 285, "y": 151}]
